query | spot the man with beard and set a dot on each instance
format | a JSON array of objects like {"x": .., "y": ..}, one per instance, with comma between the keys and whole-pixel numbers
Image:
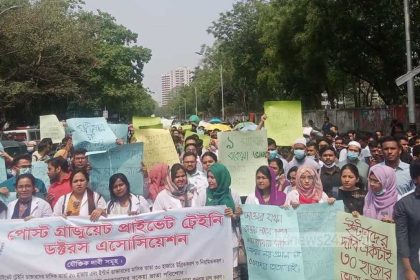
[
  {"x": 80, "y": 160},
  {"x": 330, "y": 173},
  {"x": 58, "y": 171},
  {"x": 195, "y": 176}
]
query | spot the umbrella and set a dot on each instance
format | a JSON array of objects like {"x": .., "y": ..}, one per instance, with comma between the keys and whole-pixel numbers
[
  {"x": 215, "y": 120},
  {"x": 245, "y": 126},
  {"x": 194, "y": 119},
  {"x": 219, "y": 126}
]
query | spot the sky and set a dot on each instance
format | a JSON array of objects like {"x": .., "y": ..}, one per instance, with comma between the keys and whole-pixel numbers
[{"x": 173, "y": 29}]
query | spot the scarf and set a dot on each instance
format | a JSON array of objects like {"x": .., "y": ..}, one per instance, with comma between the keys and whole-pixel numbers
[
  {"x": 222, "y": 194},
  {"x": 156, "y": 174},
  {"x": 378, "y": 206},
  {"x": 276, "y": 197},
  {"x": 312, "y": 194},
  {"x": 17, "y": 214},
  {"x": 184, "y": 194}
]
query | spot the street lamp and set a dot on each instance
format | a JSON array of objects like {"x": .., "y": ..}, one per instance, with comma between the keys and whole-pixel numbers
[{"x": 221, "y": 82}]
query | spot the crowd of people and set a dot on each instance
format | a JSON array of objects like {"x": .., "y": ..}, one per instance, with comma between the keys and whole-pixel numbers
[{"x": 375, "y": 175}]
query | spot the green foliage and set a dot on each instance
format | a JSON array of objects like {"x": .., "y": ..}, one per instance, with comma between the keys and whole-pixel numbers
[
  {"x": 55, "y": 58},
  {"x": 296, "y": 49}
]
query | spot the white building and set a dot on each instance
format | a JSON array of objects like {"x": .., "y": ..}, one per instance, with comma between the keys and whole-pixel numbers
[{"x": 181, "y": 76}]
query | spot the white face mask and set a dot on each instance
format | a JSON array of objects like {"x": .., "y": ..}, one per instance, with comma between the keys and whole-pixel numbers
[
  {"x": 30, "y": 149},
  {"x": 330, "y": 165}
]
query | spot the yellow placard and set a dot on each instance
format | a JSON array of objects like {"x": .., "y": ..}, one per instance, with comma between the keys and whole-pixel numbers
[
  {"x": 158, "y": 146},
  {"x": 284, "y": 121},
  {"x": 146, "y": 122}
]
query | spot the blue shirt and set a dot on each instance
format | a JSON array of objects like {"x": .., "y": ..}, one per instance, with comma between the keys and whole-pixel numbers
[{"x": 404, "y": 184}]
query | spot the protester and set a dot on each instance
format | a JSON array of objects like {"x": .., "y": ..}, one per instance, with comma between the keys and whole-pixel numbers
[
  {"x": 178, "y": 193},
  {"x": 123, "y": 202},
  {"x": 416, "y": 152},
  {"x": 272, "y": 153},
  {"x": 391, "y": 150},
  {"x": 59, "y": 174},
  {"x": 66, "y": 148},
  {"x": 329, "y": 173},
  {"x": 291, "y": 177},
  {"x": 405, "y": 150},
  {"x": 327, "y": 125},
  {"x": 195, "y": 176},
  {"x": 43, "y": 150},
  {"x": 376, "y": 155},
  {"x": 208, "y": 159},
  {"x": 300, "y": 158},
  {"x": 22, "y": 165},
  {"x": 219, "y": 193},
  {"x": 266, "y": 189},
  {"x": 82, "y": 201},
  {"x": 80, "y": 160},
  {"x": 277, "y": 166},
  {"x": 351, "y": 191},
  {"x": 27, "y": 206},
  {"x": 407, "y": 220},
  {"x": 157, "y": 179},
  {"x": 312, "y": 152},
  {"x": 382, "y": 193},
  {"x": 353, "y": 152},
  {"x": 308, "y": 188}
]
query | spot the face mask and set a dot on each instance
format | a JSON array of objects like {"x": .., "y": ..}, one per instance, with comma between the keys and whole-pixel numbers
[
  {"x": 25, "y": 170},
  {"x": 272, "y": 154},
  {"x": 381, "y": 192},
  {"x": 329, "y": 165},
  {"x": 30, "y": 149},
  {"x": 352, "y": 155},
  {"x": 299, "y": 154},
  {"x": 311, "y": 157}
]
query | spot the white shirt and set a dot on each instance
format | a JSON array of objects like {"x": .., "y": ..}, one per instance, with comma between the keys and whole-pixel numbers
[
  {"x": 139, "y": 205},
  {"x": 293, "y": 196},
  {"x": 165, "y": 201},
  {"x": 39, "y": 208},
  {"x": 198, "y": 180},
  {"x": 252, "y": 199},
  {"x": 84, "y": 208}
]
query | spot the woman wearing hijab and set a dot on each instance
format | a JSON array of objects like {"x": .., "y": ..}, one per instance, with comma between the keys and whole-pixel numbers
[
  {"x": 177, "y": 193},
  {"x": 158, "y": 180},
  {"x": 382, "y": 193},
  {"x": 219, "y": 193},
  {"x": 123, "y": 202},
  {"x": 308, "y": 188},
  {"x": 266, "y": 190},
  {"x": 277, "y": 166}
]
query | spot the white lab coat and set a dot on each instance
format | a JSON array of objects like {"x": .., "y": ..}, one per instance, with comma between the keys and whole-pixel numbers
[
  {"x": 84, "y": 208},
  {"x": 164, "y": 201},
  {"x": 138, "y": 204},
  {"x": 39, "y": 208}
]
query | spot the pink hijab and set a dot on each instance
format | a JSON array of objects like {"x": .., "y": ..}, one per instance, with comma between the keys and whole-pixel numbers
[
  {"x": 157, "y": 176},
  {"x": 315, "y": 192},
  {"x": 379, "y": 206}
]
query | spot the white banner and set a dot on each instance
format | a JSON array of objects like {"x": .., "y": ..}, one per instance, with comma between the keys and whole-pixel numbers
[{"x": 180, "y": 244}]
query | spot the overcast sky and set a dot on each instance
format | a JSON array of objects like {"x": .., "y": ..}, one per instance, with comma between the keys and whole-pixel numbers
[{"x": 172, "y": 29}]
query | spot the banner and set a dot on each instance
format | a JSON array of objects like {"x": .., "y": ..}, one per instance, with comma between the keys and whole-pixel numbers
[
  {"x": 271, "y": 237},
  {"x": 367, "y": 249},
  {"x": 180, "y": 244},
  {"x": 124, "y": 159},
  {"x": 3, "y": 171},
  {"x": 51, "y": 127},
  {"x": 92, "y": 134},
  {"x": 40, "y": 171},
  {"x": 317, "y": 236},
  {"x": 158, "y": 147},
  {"x": 242, "y": 153},
  {"x": 120, "y": 130},
  {"x": 284, "y": 121},
  {"x": 146, "y": 122}
]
